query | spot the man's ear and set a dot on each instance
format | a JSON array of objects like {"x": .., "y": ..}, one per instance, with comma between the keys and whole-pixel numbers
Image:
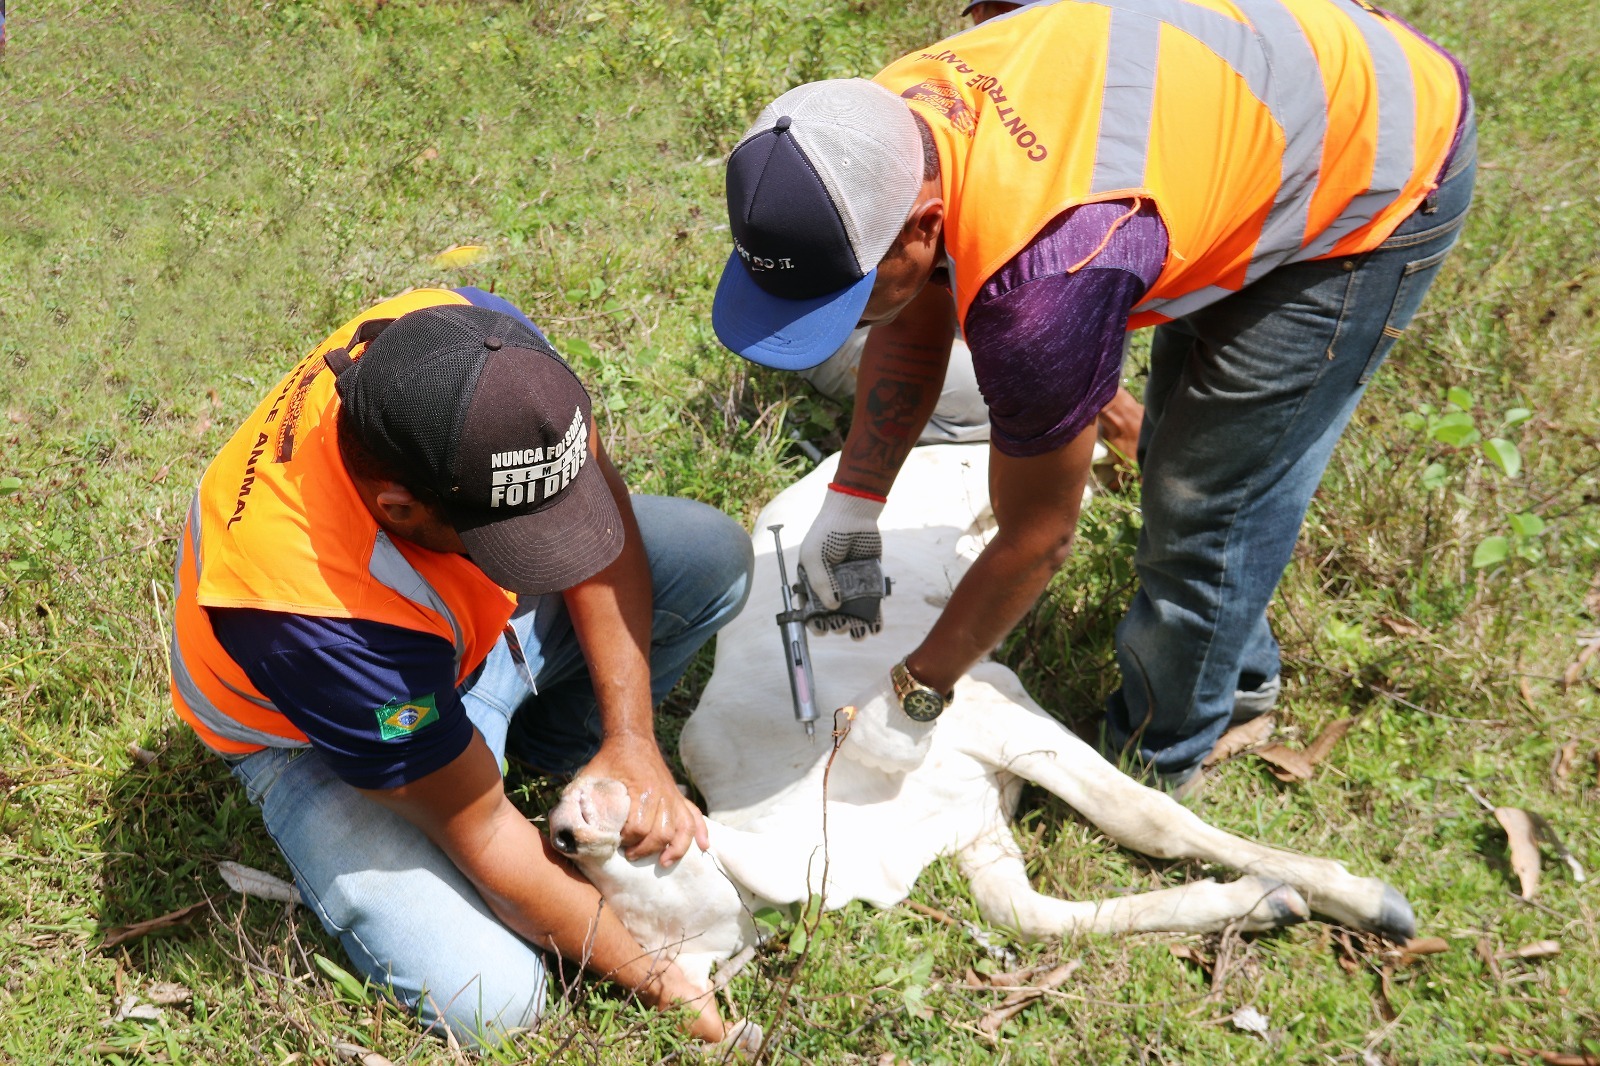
[
  {"x": 396, "y": 504},
  {"x": 925, "y": 224}
]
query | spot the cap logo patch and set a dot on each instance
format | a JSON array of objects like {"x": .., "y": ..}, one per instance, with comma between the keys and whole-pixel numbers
[
  {"x": 758, "y": 263},
  {"x": 397, "y": 719},
  {"x": 527, "y": 476}
]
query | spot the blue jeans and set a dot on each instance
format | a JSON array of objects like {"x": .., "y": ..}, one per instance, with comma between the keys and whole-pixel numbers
[
  {"x": 1245, "y": 402},
  {"x": 408, "y": 919}
]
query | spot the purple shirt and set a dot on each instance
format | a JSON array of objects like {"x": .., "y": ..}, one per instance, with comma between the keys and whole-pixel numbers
[{"x": 1047, "y": 339}]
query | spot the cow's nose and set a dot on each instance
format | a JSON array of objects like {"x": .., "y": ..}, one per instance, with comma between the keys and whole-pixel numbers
[{"x": 566, "y": 842}]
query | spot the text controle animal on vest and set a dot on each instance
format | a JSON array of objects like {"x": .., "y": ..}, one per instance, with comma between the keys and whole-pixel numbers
[
  {"x": 1264, "y": 131},
  {"x": 763, "y": 780}
]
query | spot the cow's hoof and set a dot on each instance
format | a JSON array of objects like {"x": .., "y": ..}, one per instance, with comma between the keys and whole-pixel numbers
[
  {"x": 744, "y": 1037},
  {"x": 1286, "y": 906},
  {"x": 1395, "y": 918},
  {"x": 1275, "y": 906}
]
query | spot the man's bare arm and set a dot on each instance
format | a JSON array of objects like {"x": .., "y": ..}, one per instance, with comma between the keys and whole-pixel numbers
[
  {"x": 611, "y": 616},
  {"x": 1036, "y": 503},
  {"x": 901, "y": 375},
  {"x": 462, "y": 808}
]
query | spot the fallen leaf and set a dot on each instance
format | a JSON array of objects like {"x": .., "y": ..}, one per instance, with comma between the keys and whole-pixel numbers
[
  {"x": 248, "y": 881},
  {"x": 1420, "y": 946},
  {"x": 1346, "y": 952},
  {"x": 1549, "y": 1058},
  {"x": 1240, "y": 739},
  {"x": 1189, "y": 953},
  {"x": 123, "y": 933},
  {"x": 1251, "y": 1021},
  {"x": 142, "y": 756},
  {"x": 1385, "y": 997},
  {"x": 1290, "y": 766},
  {"x": 129, "y": 1009},
  {"x": 359, "y": 1055},
  {"x": 1400, "y": 627},
  {"x": 1524, "y": 848},
  {"x": 202, "y": 426},
  {"x": 1569, "y": 677},
  {"x": 1486, "y": 954},
  {"x": 160, "y": 475},
  {"x": 1016, "y": 1002},
  {"x": 1561, "y": 765},
  {"x": 459, "y": 255},
  {"x": 1539, "y": 949},
  {"x": 167, "y": 994}
]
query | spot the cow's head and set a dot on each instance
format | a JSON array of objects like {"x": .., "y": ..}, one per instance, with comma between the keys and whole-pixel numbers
[{"x": 587, "y": 823}]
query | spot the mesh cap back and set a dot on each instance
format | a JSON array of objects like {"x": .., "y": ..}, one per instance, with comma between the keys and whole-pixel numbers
[{"x": 862, "y": 143}]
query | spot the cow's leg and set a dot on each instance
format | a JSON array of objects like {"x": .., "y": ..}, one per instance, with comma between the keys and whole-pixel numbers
[
  {"x": 1025, "y": 741},
  {"x": 993, "y": 865}
]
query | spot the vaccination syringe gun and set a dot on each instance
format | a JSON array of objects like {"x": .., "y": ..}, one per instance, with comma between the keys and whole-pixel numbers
[{"x": 796, "y": 652}]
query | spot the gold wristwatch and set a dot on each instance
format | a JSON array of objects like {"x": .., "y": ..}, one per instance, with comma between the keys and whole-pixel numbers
[{"x": 919, "y": 702}]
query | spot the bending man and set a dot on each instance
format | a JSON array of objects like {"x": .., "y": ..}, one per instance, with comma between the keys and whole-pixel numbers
[{"x": 1273, "y": 188}]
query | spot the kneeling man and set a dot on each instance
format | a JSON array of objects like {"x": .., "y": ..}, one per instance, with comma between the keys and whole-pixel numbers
[{"x": 412, "y": 560}]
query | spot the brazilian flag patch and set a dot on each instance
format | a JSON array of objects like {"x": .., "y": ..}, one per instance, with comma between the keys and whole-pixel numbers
[{"x": 396, "y": 719}]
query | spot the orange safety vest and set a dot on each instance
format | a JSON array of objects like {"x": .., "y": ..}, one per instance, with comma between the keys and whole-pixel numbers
[
  {"x": 1263, "y": 131},
  {"x": 277, "y": 525}
]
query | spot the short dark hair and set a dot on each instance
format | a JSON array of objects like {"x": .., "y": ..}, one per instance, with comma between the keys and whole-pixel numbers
[
  {"x": 364, "y": 463},
  {"x": 930, "y": 154}
]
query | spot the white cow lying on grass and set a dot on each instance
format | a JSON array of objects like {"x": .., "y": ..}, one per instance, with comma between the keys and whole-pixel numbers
[{"x": 762, "y": 779}]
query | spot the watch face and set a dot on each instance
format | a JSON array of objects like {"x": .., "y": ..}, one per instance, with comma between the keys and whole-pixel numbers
[{"x": 921, "y": 705}]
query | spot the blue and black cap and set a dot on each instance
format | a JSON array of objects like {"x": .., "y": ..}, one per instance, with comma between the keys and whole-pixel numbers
[{"x": 818, "y": 190}]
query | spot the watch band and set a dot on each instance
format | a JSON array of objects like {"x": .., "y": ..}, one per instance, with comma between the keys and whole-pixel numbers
[{"x": 919, "y": 702}]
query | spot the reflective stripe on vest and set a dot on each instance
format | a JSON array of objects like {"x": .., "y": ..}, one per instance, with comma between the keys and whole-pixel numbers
[
  {"x": 388, "y": 567},
  {"x": 395, "y": 572},
  {"x": 1341, "y": 117},
  {"x": 183, "y": 682},
  {"x": 1277, "y": 44}
]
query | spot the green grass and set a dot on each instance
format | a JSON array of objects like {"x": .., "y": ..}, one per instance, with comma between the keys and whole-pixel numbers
[{"x": 192, "y": 195}]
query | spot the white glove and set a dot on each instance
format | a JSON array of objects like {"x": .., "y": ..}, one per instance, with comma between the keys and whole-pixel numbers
[
  {"x": 881, "y": 736},
  {"x": 841, "y": 566}
]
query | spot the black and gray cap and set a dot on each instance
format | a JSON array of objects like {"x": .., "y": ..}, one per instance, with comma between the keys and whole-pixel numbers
[
  {"x": 477, "y": 410},
  {"x": 818, "y": 190}
]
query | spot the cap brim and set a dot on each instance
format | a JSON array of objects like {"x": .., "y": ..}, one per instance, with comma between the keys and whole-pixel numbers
[
  {"x": 784, "y": 334},
  {"x": 552, "y": 549}
]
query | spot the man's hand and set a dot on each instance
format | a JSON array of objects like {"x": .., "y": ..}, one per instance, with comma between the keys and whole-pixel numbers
[
  {"x": 462, "y": 807},
  {"x": 841, "y": 565},
  {"x": 660, "y": 818},
  {"x": 1120, "y": 422},
  {"x": 672, "y": 988},
  {"x": 881, "y": 736}
]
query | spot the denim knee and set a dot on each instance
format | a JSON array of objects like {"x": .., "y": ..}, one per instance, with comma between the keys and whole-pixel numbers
[
  {"x": 700, "y": 561},
  {"x": 489, "y": 1015}
]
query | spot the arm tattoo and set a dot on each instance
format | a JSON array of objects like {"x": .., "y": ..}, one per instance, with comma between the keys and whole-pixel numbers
[{"x": 891, "y": 425}]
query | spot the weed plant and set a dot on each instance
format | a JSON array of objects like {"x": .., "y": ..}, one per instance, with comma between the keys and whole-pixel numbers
[{"x": 193, "y": 194}]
